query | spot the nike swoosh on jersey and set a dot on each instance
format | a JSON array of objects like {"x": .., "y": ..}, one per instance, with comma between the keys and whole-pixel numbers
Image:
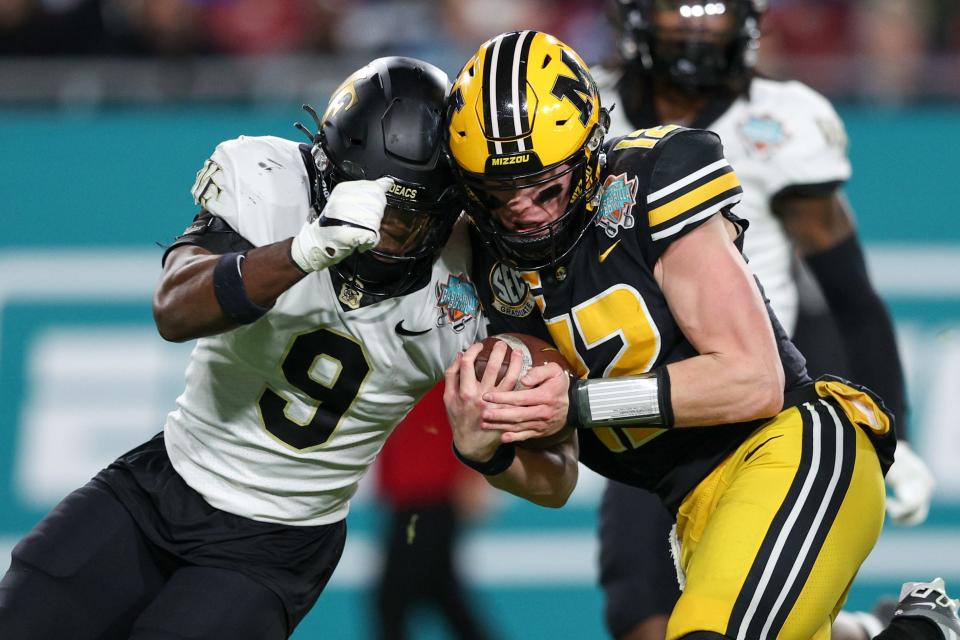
[
  {"x": 606, "y": 252},
  {"x": 407, "y": 332},
  {"x": 757, "y": 448}
]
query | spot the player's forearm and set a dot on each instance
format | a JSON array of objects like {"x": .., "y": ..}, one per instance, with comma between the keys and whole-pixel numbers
[
  {"x": 716, "y": 303},
  {"x": 704, "y": 390},
  {"x": 724, "y": 388},
  {"x": 545, "y": 477},
  {"x": 185, "y": 304}
]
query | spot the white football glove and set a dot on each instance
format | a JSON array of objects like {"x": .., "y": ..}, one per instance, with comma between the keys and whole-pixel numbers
[
  {"x": 359, "y": 205},
  {"x": 912, "y": 485}
]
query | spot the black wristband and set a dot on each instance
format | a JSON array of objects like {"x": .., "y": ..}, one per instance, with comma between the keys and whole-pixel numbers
[
  {"x": 230, "y": 292},
  {"x": 573, "y": 403},
  {"x": 500, "y": 462},
  {"x": 663, "y": 397}
]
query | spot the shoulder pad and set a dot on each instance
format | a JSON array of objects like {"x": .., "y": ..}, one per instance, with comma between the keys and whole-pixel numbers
[
  {"x": 690, "y": 181},
  {"x": 812, "y": 149},
  {"x": 252, "y": 177}
]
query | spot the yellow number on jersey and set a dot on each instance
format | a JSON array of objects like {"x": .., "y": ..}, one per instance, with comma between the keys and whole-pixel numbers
[
  {"x": 646, "y": 138},
  {"x": 617, "y": 313}
]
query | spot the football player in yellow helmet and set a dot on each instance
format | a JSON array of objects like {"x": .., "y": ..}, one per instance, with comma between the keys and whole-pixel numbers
[
  {"x": 686, "y": 385},
  {"x": 525, "y": 113}
]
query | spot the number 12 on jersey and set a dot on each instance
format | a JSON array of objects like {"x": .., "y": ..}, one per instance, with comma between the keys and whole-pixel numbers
[{"x": 618, "y": 313}]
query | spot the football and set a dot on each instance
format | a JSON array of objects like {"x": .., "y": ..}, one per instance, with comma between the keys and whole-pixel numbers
[{"x": 534, "y": 351}]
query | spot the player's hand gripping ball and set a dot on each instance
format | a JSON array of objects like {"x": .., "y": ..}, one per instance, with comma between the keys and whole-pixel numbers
[{"x": 535, "y": 352}]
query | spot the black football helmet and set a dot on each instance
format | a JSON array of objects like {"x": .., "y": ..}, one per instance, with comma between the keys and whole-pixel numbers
[
  {"x": 685, "y": 55},
  {"x": 386, "y": 119}
]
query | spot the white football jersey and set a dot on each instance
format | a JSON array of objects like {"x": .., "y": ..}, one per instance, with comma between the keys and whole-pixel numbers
[
  {"x": 783, "y": 134},
  {"x": 281, "y": 418}
]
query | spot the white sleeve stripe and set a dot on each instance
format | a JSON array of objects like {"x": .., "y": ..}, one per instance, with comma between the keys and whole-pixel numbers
[
  {"x": 669, "y": 231},
  {"x": 690, "y": 178}
]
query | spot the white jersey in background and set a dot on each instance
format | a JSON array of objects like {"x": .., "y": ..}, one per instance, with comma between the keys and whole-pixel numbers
[
  {"x": 783, "y": 134},
  {"x": 281, "y": 418}
]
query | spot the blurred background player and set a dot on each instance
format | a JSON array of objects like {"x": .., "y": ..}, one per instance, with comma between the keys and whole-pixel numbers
[
  {"x": 692, "y": 63},
  {"x": 430, "y": 498},
  {"x": 297, "y": 276}
]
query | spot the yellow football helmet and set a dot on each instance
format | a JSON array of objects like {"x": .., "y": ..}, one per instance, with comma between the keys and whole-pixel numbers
[{"x": 524, "y": 105}]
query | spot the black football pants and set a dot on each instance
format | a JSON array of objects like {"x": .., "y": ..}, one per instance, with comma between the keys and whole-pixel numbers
[
  {"x": 419, "y": 569},
  {"x": 87, "y": 571}
]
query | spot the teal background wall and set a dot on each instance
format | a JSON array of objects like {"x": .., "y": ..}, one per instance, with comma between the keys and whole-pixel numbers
[
  {"x": 86, "y": 196},
  {"x": 120, "y": 177}
]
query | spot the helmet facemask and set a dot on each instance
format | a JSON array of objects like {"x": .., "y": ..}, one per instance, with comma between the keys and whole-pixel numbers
[
  {"x": 548, "y": 244},
  {"x": 410, "y": 239}
]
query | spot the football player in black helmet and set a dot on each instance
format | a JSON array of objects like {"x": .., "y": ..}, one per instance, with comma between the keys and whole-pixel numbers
[
  {"x": 385, "y": 121},
  {"x": 693, "y": 63},
  {"x": 297, "y": 277},
  {"x": 691, "y": 46}
]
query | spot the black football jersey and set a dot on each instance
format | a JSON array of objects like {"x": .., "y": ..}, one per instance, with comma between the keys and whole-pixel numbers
[{"x": 605, "y": 312}]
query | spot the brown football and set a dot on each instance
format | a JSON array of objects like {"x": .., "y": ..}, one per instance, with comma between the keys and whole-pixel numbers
[{"x": 535, "y": 352}]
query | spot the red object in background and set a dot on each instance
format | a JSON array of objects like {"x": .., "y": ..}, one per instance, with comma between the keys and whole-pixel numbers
[
  {"x": 417, "y": 465},
  {"x": 811, "y": 28},
  {"x": 256, "y": 27}
]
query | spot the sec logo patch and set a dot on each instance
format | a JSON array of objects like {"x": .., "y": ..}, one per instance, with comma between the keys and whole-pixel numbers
[{"x": 511, "y": 294}]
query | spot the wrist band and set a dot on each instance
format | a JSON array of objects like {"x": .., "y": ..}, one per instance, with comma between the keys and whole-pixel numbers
[
  {"x": 663, "y": 397},
  {"x": 500, "y": 462},
  {"x": 231, "y": 294},
  {"x": 293, "y": 260},
  {"x": 573, "y": 400},
  {"x": 627, "y": 401}
]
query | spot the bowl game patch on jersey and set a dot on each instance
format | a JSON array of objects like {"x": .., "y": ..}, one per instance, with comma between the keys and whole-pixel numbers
[
  {"x": 458, "y": 302},
  {"x": 619, "y": 197},
  {"x": 763, "y": 134}
]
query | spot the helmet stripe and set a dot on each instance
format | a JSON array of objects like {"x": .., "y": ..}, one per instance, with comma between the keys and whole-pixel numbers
[
  {"x": 519, "y": 86},
  {"x": 490, "y": 82},
  {"x": 494, "y": 118},
  {"x": 502, "y": 91},
  {"x": 487, "y": 102}
]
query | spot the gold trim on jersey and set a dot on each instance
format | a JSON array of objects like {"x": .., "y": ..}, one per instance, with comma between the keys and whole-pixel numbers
[
  {"x": 689, "y": 200},
  {"x": 645, "y": 138}
]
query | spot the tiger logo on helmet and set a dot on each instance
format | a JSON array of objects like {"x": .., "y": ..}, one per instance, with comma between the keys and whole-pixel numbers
[{"x": 524, "y": 110}]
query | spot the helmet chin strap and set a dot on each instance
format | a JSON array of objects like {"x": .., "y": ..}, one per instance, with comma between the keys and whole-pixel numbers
[{"x": 320, "y": 159}]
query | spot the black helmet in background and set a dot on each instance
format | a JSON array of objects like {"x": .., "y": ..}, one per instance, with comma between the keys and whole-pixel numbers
[{"x": 696, "y": 45}]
